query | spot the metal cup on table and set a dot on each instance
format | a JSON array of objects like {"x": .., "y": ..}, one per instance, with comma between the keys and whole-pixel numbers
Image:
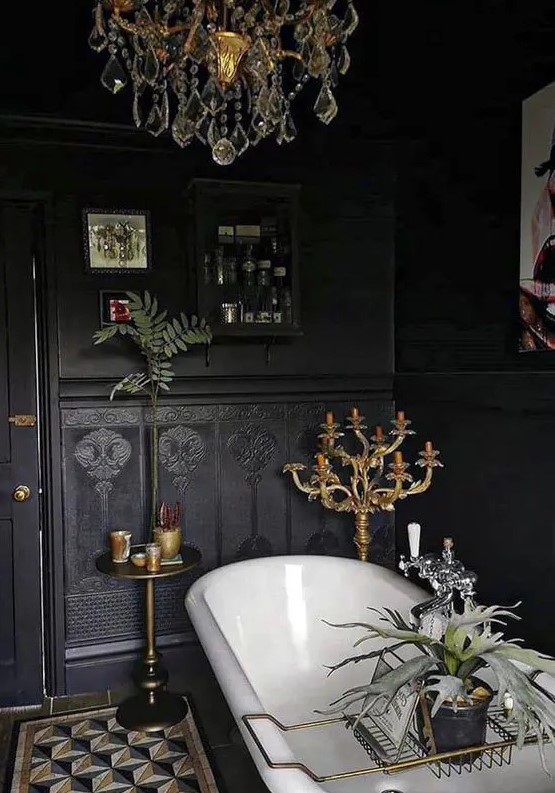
[
  {"x": 153, "y": 557},
  {"x": 120, "y": 545}
]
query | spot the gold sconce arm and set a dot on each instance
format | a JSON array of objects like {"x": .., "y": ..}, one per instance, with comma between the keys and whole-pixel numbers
[{"x": 293, "y": 469}]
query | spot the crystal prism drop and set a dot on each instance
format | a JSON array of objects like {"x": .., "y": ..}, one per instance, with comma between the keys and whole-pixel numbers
[
  {"x": 253, "y": 134},
  {"x": 334, "y": 26},
  {"x": 194, "y": 109},
  {"x": 282, "y": 8},
  {"x": 263, "y": 102},
  {"x": 289, "y": 128},
  {"x": 298, "y": 71},
  {"x": 343, "y": 60},
  {"x": 200, "y": 45},
  {"x": 350, "y": 20},
  {"x": 202, "y": 128},
  {"x": 113, "y": 77},
  {"x": 150, "y": 69},
  {"x": 333, "y": 75},
  {"x": 326, "y": 106},
  {"x": 97, "y": 40},
  {"x": 165, "y": 110},
  {"x": 183, "y": 129},
  {"x": 212, "y": 96},
  {"x": 224, "y": 152},
  {"x": 258, "y": 126},
  {"x": 319, "y": 61},
  {"x": 302, "y": 31},
  {"x": 136, "y": 110},
  {"x": 239, "y": 139},
  {"x": 137, "y": 75},
  {"x": 154, "y": 122},
  {"x": 275, "y": 113},
  {"x": 213, "y": 134}
]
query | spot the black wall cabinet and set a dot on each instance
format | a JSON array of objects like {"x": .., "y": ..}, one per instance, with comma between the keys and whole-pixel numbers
[{"x": 244, "y": 254}]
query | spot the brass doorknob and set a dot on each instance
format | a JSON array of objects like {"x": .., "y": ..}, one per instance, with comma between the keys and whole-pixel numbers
[{"x": 21, "y": 493}]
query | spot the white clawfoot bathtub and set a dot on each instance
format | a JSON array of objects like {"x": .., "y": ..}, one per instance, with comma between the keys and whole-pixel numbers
[{"x": 261, "y": 625}]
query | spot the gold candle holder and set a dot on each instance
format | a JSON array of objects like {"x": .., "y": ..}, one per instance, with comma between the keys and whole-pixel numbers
[{"x": 370, "y": 488}]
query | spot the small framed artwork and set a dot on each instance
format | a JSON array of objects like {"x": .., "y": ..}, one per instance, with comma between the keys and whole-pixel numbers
[
  {"x": 114, "y": 307},
  {"x": 117, "y": 241}
]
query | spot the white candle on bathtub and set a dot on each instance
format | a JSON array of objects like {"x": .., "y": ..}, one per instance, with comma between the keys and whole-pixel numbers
[{"x": 414, "y": 538}]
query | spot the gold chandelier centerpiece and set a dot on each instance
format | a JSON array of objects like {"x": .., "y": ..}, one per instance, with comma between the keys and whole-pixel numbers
[{"x": 225, "y": 72}]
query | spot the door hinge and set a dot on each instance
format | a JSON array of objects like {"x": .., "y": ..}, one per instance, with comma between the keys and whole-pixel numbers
[{"x": 23, "y": 420}]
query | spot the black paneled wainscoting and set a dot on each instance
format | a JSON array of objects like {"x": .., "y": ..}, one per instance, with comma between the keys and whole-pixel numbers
[{"x": 224, "y": 463}]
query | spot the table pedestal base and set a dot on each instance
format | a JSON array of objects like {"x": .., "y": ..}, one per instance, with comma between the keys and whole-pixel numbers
[{"x": 151, "y": 712}]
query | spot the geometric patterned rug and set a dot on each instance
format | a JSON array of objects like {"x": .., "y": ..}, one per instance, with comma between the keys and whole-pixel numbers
[{"x": 88, "y": 752}]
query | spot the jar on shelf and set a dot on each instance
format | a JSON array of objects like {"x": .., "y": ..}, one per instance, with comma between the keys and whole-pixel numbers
[
  {"x": 230, "y": 271},
  {"x": 218, "y": 266},
  {"x": 248, "y": 292},
  {"x": 208, "y": 269},
  {"x": 229, "y": 313},
  {"x": 264, "y": 287}
]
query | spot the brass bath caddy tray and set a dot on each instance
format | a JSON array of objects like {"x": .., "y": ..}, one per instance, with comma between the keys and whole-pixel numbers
[{"x": 497, "y": 752}]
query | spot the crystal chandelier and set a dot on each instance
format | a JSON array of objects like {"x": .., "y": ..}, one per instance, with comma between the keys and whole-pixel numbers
[{"x": 225, "y": 72}]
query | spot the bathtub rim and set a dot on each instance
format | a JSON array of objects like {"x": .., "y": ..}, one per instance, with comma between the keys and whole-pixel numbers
[{"x": 234, "y": 683}]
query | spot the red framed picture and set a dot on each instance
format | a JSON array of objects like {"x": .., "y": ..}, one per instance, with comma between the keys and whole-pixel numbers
[{"x": 114, "y": 307}]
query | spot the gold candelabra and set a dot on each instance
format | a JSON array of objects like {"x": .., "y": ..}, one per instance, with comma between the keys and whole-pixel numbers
[{"x": 368, "y": 490}]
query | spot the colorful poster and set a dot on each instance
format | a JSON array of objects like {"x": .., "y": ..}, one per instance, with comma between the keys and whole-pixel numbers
[{"x": 537, "y": 228}]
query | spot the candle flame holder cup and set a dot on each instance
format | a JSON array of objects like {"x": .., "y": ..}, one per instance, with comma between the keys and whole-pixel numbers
[{"x": 373, "y": 485}]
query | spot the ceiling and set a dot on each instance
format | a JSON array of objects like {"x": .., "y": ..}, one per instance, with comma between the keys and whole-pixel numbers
[{"x": 419, "y": 66}]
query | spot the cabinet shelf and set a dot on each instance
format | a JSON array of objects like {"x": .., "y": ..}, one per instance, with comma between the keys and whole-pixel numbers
[{"x": 266, "y": 330}]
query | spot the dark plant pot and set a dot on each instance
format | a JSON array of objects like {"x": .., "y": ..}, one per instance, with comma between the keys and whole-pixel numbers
[{"x": 456, "y": 729}]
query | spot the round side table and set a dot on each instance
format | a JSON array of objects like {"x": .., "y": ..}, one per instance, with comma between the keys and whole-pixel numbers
[{"x": 154, "y": 708}]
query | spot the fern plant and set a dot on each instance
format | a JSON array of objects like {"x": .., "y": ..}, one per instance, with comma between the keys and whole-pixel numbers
[
  {"x": 446, "y": 666},
  {"x": 159, "y": 339}
]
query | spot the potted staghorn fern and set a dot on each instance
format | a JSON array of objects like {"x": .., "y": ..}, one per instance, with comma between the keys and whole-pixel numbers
[
  {"x": 446, "y": 670},
  {"x": 159, "y": 339}
]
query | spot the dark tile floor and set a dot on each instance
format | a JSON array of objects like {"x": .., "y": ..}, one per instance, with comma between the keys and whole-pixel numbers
[{"x": 231, "y": 763}]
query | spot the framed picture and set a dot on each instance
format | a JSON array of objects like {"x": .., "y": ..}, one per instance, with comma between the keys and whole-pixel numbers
[
  {"x": 114, "y": 307},
  {"x": 537, "y": 224},
  {"x": 117, "y": 241}
]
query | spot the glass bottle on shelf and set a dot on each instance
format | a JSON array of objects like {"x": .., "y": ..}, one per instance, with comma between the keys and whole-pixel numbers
[
  {"x": 208, "y": 269},
  {"x": 248, "y": 291},
  {"x": 268, "y": 238},
  {"x": 276, "y": 308},
  {"x": 230, "y": 271},
  {"x": 264, "y": 285},
  {"x": 284, "y": 298},
  {"x": 219, "y": 265}
]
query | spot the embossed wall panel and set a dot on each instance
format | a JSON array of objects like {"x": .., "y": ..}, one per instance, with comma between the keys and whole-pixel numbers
[
  {"x": 188, "y": 474},
  {"x": 224, "y": 463},
  {"x": 102, "y": 490},
  {"x": 252, "y": 450}
]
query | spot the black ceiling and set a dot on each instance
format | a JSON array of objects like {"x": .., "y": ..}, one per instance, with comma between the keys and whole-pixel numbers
[{"x": 422, "y": 66}]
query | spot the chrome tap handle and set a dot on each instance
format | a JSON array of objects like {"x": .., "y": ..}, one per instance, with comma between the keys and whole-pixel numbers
[{"x": 404, "y": 566}]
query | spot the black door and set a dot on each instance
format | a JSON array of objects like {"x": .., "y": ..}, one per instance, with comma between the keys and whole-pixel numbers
[{"x": 20, "y": 547}]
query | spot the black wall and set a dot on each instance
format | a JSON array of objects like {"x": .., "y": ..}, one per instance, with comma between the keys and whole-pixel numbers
[
  {"x": 446, "y": 81},
  {"x": 345, "y": 357},
  {"x": 457, "y": 260}
]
